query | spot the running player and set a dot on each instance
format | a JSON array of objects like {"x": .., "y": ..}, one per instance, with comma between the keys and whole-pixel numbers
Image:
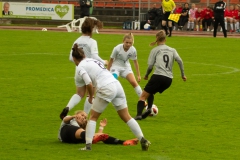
[
  {"x": 119, "y": 62},
  {"x": 90, "y": 48},
  {"x": 162, "y": 57},
  {"x": 72, "y": 130},
  {"x": 91, "y": 72}
]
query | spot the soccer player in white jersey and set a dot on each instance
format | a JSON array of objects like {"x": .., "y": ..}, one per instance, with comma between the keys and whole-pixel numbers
[
  {"x": 162, "y": 57},
  {"x": 119, "y": 62},
  {"x": 89, "y": 45},
  {"x": 91, "y": 72}
]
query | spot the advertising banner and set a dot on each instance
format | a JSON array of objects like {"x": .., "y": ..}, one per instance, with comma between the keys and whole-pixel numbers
[{"x": 37, "y": 11}]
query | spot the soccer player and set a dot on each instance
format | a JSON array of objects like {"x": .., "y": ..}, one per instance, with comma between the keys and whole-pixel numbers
[
  {"x": 162, "y": 57},
  {"x": 72, "y": 130},
  {"x": 119, "y": 62},
  {"x": 91, "y": 72},
  {"x": 89, "y": 45},
  {"x": 218, "y": 9},
  {"x": 168, "y": 7}
]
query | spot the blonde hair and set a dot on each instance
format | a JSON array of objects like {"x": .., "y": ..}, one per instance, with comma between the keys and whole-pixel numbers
[
  {"x": 160, "y": 37},
  {"x": 129, "y": 36},
  {"x": 79, "y": 111}
]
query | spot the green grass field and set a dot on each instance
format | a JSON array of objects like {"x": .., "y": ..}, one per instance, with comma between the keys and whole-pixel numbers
[{"x": 198, "y": 119}]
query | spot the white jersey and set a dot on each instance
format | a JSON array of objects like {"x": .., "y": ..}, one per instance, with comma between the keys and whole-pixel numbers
[
  {"x": 162, "y": 57},
  {"x": 121, "y": 57},
  {"x": 73, "y": 122},
  {"x": 97, "y": 72},
  {"x": 89, "y": 47}
]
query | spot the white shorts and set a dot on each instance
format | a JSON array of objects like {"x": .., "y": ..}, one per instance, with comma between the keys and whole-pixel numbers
[
  {"x": 122, "y": 71},
  {"x": 112, "y": 92}
]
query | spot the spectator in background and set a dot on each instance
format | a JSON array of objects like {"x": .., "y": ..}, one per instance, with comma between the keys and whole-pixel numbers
[
  {"x": 207, "y": 18},
  {"x": 228, "y": 18},
  {"x": 6, "y": 7},
  {"x": 192, "y": 17},
  {"x": 184, "y": 16},
  {"x": 159, "y": 17},
  {"x": 198, "y": 16},
  {"x": 232, "y": 15},
  {"x": 85, "y": 6},
  {"x": 178, "y": 10},
  {"x": 237, "y": 17},
  {"x": 152, "y": 13}
]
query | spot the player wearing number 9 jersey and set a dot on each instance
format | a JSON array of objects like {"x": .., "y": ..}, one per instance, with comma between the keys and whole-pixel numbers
[{"x": 162, "y": 57}]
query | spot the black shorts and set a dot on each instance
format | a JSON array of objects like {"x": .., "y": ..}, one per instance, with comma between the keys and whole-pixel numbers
[
  {"x": 166, "y": 15},
  {"x": 157, "y": 83},
  {"x": 68, "y": 134}
]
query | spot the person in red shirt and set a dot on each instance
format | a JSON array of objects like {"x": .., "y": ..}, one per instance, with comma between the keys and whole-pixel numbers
[
  {"x": 178, "y": 10},
  {"x": 207, "y": 18},
  {"x": 228, "y": 14},
  {"x": 198, "y": 21},
  {"x": 236, "y": 15}
]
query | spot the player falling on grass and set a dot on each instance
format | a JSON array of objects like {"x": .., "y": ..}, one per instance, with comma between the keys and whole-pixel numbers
[
  {"x": 72, "y": 130},
  {"x": 119, "y": 62},
  {"x": 162, "y": 57},
  {"x": 91, "y": 72},
  {"x": 90, "y": 47}
]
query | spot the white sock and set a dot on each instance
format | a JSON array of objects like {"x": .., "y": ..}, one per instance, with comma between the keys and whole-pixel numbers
[
  {"x": 135, "y": 128},
  {"x": 237, "y": 25},
  {"x": 87, "y": 105},
  {"x": 75, "y": 99},
  {"x": 90, "y": 130},
  {"x": 197, "y": 27},
  {"x": 231, "y": 26},
  {"x": 192, "y": 25},
  {"x": 138, "y": 90},
  {"x": 226, "y": 25},
  {"x": 188, "y": 25}
]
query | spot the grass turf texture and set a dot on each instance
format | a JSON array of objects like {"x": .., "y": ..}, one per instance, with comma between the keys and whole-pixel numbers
[{"x": 198, "y": 119}]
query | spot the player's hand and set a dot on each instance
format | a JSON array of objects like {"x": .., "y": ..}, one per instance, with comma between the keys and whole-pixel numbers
[
  {"x": 139, "y": 78},
  {"x": 106, "y": 62},
  {"x": 184, "y": 78},
  {"x": 90, "y": 99},
  {"x": 103, "y": 122},
  {"x": 146, "y": 77}
]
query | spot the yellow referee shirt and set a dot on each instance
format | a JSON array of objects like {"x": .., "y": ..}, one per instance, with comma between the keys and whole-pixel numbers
[{"x": 168, "y": 5}]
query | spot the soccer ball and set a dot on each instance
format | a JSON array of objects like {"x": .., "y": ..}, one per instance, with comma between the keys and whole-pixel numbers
[
  {"x": 44, "y": 29},
  {"x": 154, "y": 110}
]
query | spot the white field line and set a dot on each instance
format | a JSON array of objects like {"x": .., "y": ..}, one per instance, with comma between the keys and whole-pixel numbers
[{"x": 232, "y": 69}]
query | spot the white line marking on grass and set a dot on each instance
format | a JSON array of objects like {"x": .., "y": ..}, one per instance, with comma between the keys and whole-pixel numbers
[
  {"x": 23, "y": 54},
  {"x": 233, "y": 70}
]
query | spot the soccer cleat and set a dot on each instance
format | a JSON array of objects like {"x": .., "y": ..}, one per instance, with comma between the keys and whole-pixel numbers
[
  {"x": 145, "y": 144},
  {"x": 170, "y": 35},
  {"x": 138, "y": 117},
  {"x": 88, "y": 147},
  {"x": 64, "y": 112},
  {"x": 98, "y": 138},
  {"x": 130, "y": 142},
  {"x": 146, "y": 113}
]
